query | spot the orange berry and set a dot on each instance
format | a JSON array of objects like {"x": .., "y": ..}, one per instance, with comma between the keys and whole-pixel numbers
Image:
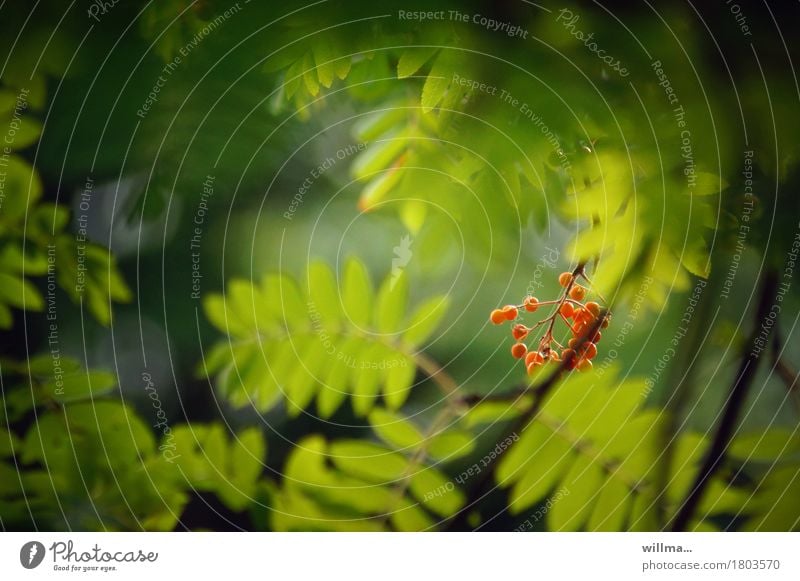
[
  {"x": 531, "y": 304},
  {"x": 584, "y": 365},
  {"x": 518, "y": 350},
  {"x": 589, "y": 350},
  {"x": 593, "y": 308},
  {"x": 497, "y": 316},
  {"x": 567, "y": 310},
  {"x": 554, "y": 355},
  {"x": 534, "y": 357},
  {"x": 579, "y": 329},
  {"x": 510, "y": 312},
  {"x": 519, "y": 332},
  {"x": 577, "y": 292},
  {"x": 596, "y": 338},
  {"x": 564, "y": 279},
  {"x": 531, "y": 368},
  {"x": 579, "y": 315}
]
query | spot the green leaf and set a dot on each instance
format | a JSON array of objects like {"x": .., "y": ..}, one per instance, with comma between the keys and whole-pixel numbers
[
  {"x": 768, "y": 446},
  {"x": 31, "y": 262},
  {"x": 323, "y": 294},
  {"x": 22, "y": 188},
  {"x": 412, "y": 60},
  {"x": 217, "y": 314},
  {"x": 366, "y": 378},
  {"x": 283, "y": 300},
  {"x": 697, "y": 259},
  {"x": 612, "y": 507},
  {"x": 379, "y": 186},
  {"x": 533, "y": 441},
  {"x": 373, "y": 125},
  {"x": 80, "y": 385},
  {"x": 301, "y": 385},
  {"x": 357, "y": 293},
  {"x": 437, "y": 82},
  {"x": 644, "y": 514},
  {"x": 390, "y": 308},
  {"x": 436, "y": 492},
  {"x": 426, "y": 319},
  {"x": 369, "y": 461},
  {"x": 214, "y": 360},
  {"x": 775, "y": 507},
  {"x": 310, "y": 76},
  {"x": 6, "y": 317},
  {"x": 451, "y": 444},
  {"x": 395, "y": 430},
  {"x": 323, "y": 58},
  {"x": 398, "y": 382},
  {"x": 342, "y": 67},
  {"x": 490, "y": 412},
  {"x": 335, "y": 383},
  {"x": 379, "y": 155},
  {"x": 721, "y": 498},
  {"x": 413, "y": 213},
  {"x": 20, "y": 293},
  {"x": 411, "y": 518},
  {"x": 243, "y": 467},
  {"x": 293, "y": 78},
  {"x": 27, "y": 134},
  {"x": 707, "y": 184},
  {"x": 582, "y": 482},
  {"x": 544, "y": 474}
]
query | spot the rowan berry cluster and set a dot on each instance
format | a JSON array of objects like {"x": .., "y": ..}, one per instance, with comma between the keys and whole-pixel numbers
[{"x": 583, "y": 321}]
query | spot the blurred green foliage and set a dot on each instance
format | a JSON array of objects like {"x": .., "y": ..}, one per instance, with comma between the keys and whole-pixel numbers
[{"x": 317, "y": 384}]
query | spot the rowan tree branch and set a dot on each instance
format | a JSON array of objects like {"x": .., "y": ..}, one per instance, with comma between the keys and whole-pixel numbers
[{"x": 730, "y": 416}]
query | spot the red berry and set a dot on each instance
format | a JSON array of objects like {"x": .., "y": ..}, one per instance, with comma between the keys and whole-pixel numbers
[
  {"x": 589, "y": 350},
  {"x": 577, "y": 292},
  {"x": 564, "y": 279},
  {"x": 593, "y": 308},
  {"x": 510, "y": 312},
  {"x": 531, "y": 304},
  {"x": 567, "y": 310},
  {"x": 518, "y": 350},
  {"x": 604, "y": 324},
  {"x": 572, "y": 342},
  {"x": 519, "y": 332},
  {"x": 497, "y": 316}
]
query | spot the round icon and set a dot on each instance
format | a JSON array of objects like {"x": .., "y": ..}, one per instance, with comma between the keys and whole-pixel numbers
[{"x": 31, "y": 554}]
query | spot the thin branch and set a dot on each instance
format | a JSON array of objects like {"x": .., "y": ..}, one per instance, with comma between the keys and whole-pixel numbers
[
  {"x": 785, "y": 372},
  {"x": 436, "y": 373},
  {"x": 730, "y": 416}
]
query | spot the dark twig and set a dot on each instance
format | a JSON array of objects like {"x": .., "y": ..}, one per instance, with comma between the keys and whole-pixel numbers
[
  {"x": 785, "y": 372},
  {"x": 730, "y": 416}
]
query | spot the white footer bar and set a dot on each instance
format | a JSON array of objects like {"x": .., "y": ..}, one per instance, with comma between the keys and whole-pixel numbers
[{"x": 398, "y": 556}]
